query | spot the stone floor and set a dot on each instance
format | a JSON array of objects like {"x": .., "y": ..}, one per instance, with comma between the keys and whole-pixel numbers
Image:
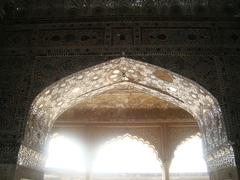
[{"x": 186, "y": 176}]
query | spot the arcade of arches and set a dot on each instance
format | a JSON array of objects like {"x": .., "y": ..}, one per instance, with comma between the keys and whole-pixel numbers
[
  {"x": 127, "y": 96},
  {"x": 125, "y": 111},
  {"x": 122, "y": 157}
]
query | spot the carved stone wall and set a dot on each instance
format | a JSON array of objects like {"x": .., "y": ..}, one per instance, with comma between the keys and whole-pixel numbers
[
  {"x": 79, "y": 8},
  {"x": 35, "y": 56}
]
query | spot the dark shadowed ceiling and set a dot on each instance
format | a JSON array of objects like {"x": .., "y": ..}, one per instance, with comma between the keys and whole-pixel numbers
[{"x": 79, "y": 8}]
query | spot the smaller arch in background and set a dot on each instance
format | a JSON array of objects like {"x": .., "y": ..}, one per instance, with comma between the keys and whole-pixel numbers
[
  {"x": 123, "y": 151},
  {"x": 189, "y": 151}
]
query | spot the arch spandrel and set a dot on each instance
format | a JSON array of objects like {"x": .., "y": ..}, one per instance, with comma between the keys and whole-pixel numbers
[{"x": 150, "y": 79}]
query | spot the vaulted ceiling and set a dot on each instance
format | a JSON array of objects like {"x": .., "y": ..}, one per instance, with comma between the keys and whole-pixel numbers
[{"x": 124, "y": 105}]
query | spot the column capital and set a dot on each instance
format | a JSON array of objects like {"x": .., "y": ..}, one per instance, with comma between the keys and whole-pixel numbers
[{"x": 166, "y": 163}]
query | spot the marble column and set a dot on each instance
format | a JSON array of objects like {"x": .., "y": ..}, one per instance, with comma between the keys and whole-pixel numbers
[
  {"x": 90, "y": 157},
  {"x": 89, "y": 165},
  {"x": 165, "y": 170}
]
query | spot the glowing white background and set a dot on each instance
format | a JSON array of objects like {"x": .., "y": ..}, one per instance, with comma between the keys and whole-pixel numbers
[
  {"x": 188, "y": 157},
  {"x": 124, "y": 155},
  {"x": 65, "y": 153}
]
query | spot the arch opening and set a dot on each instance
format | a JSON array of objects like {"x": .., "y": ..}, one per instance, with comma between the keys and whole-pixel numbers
[
  {"x": 127, "y": 154},
  {"x": 123, "y": 72},
  {"x": 123, "y": 157},
  {"x": 190, "y": 151}
]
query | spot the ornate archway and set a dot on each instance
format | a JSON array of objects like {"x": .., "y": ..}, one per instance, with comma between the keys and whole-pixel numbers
[{"x": 123, "y": 72}]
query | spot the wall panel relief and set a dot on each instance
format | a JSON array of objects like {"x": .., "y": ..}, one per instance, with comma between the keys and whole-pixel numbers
[
  {"x": 175, "y": 36},
  {"x": 115, "y": 38},
  {"x": 79, "y": 37}
]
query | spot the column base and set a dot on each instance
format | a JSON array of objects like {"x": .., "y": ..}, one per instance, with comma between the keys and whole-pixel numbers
[
  {"x": 224, "y": 174},
  {"x": 7, "y": 171},
  {"x": 27, "y": 173},
  {"x": 15, "y": 172}
]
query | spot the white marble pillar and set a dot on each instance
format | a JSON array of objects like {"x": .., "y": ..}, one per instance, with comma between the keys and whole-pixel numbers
[{"x": 165, "y": 170}]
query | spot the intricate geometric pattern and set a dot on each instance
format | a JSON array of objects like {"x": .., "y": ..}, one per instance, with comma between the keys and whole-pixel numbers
[
  {"x": 123, "y": 72},
  {"x": 30, "y": 158}
]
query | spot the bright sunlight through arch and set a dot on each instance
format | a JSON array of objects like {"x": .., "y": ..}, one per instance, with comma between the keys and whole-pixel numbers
[
  {"x": 126, "y": 154},
  {"x": 65, "y": 153},
  {"x": 188, "y": 157},
  {"x": 123, "y": 155}
]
